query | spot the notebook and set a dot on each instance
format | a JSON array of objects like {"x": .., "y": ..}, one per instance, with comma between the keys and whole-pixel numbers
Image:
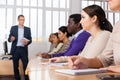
[{"x": 80, "y": 71}]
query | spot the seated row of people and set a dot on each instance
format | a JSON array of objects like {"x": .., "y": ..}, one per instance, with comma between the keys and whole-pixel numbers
[
  {"x": 109, "y": 56},
  {"x": 78, "y": 42},
  {"x": 101, "y": 49},
  {"x": 99, "y": 28},
  {"x": 59, "y": 42}
]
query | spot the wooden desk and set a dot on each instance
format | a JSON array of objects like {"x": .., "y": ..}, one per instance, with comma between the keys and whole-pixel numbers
[
  {"x": 37, "y": 71},
  {"x": 6, "y": 67}
]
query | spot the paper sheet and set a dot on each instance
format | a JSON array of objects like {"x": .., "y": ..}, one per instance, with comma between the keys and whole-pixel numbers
[
  {"x": 55, "y": 64},
  {"x": 80, "y": 71}
]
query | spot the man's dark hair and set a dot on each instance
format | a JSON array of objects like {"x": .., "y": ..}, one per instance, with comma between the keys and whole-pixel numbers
[
  {"x": 76, "y": 18},
  {"x": 20, "y": 16}
]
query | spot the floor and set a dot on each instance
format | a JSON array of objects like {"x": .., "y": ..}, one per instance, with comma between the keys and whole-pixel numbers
[{"x": 8, "y": 77}]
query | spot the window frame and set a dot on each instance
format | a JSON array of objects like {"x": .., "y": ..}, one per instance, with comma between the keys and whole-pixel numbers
[{"x": 44, "y": 35}]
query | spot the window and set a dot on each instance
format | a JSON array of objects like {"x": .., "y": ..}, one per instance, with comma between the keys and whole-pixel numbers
[
  {"x": 3, "y": 23},
  {"x": 113, "y": 17},
  {"x": 42, "y": 16}
]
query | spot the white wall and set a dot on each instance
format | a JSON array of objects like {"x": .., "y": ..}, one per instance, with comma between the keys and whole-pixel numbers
[
  {"x": 36, "y": 47},
  {"x": 75, "y": 6}
]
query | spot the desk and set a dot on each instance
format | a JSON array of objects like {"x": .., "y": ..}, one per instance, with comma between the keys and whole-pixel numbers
[
  {"x": 37, "y": 71},
  {"x": 6, "y": 67}
]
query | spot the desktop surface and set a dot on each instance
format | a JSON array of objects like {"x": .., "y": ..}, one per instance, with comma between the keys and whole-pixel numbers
[{"x": 39, "y": 71}]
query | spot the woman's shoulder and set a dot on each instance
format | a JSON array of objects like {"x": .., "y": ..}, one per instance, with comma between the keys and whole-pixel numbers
[
  {"x": 116, "y": 27},
  {"x": 60, "y": 44},
  {"x": 69, "y": 41},
  {"x": 105, "y": 32},
  {"x": 117, "y": 24}
]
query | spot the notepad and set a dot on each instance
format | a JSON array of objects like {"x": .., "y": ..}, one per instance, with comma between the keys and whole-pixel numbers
[{"x": 80, "y": 71}]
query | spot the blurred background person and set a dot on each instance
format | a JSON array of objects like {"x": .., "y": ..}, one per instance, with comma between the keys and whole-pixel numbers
[
  {"x": 51, "y": 42},
  {"x": 20, "y": 36},
  {"x": 56, "y": 44}
]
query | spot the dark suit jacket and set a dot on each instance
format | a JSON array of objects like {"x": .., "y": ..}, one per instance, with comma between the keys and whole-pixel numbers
[{"x": 14, "y": 32}]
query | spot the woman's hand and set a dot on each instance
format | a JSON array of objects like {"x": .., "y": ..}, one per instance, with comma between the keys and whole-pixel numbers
[
  {"x": 56, "y": 59},
  {"x": 77, "y": 62},
  {"x": 114, "y": 68},
  {"x": 45, "y": 55},
  {"x": 39, "y": 54}
]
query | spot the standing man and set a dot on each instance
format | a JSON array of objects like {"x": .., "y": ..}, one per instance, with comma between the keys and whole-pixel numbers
[{"x": 20, "y": 36}]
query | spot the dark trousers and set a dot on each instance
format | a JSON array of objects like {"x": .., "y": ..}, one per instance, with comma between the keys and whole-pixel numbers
[{"x": 20, "y": 53}]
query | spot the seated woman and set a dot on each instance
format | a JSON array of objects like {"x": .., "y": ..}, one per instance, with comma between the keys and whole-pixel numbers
[
  {"x": 63, "y": 37},
  {"x": 94, "y": 21},
  {"x": 55, "y": 44},
  {"x": 51, "y": 41},
  {"x": 115, "y": 5},
  {"x": 110, "y": 55}
]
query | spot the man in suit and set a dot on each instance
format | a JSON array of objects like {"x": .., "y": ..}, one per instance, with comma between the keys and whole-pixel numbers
[{"x": 20, "y": 36}]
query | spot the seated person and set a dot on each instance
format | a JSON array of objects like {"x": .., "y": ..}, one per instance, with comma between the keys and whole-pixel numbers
[
  {"x": 115, "y": 5},
  {"x": 79, "y": 37},
  {"x": 51, "y": 41},
  {"x": 64, "y": 38},
  {"x": 110, "y": 55},
  {"x": 99, "y": 33},
  {"x": 56, "y": 44}
]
